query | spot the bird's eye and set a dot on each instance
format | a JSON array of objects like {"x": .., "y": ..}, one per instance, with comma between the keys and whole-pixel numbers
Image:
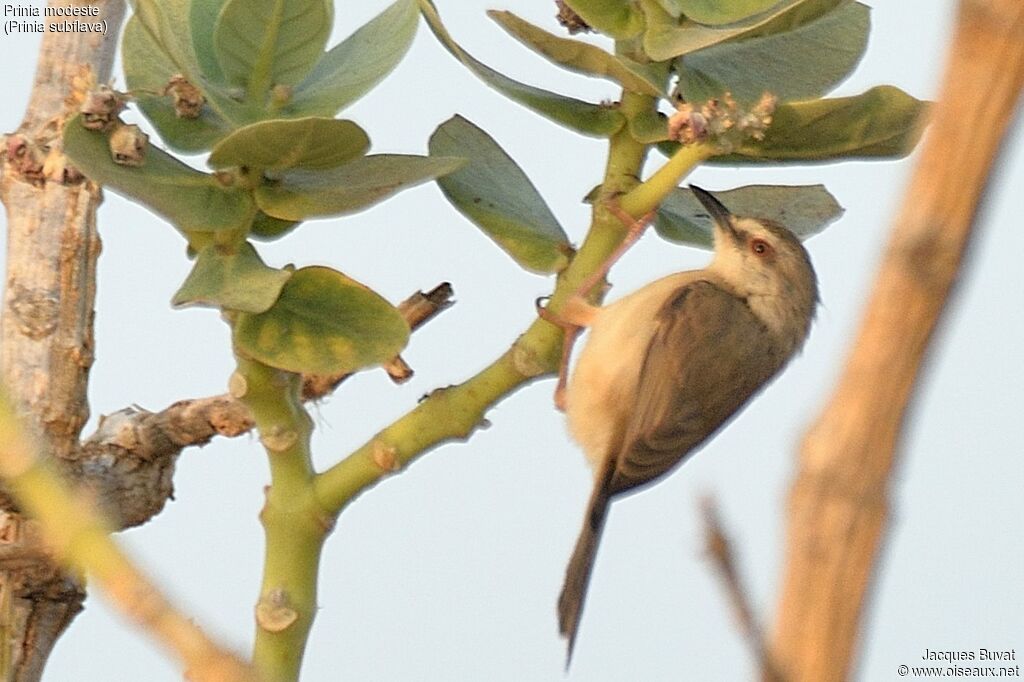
[{"x": 760, "y": 247}]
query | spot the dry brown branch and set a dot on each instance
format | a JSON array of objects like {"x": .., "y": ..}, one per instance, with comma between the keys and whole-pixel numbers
[
  {"x": 71, "y": 527},
  {"x": 47, "y": 333},
  {"x": 719, "y": 549},
  {"x": 839, "y": 501}
]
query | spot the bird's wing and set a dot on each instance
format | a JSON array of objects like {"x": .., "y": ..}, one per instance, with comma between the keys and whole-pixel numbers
[{"x": 708, "y": 356}]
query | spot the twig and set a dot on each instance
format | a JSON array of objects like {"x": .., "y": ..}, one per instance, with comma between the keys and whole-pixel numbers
[{"x": 719, "y": 550}]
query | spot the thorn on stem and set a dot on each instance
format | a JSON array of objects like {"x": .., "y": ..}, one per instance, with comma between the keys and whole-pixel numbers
[
  {"x": 385, "y": 457},
  {"x": 274, "y": 612}
]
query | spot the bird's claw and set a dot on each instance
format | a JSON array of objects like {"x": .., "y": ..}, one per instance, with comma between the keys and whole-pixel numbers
[
  {"x": 570, "y": 330},
  {"x": 557, "y": 319}
]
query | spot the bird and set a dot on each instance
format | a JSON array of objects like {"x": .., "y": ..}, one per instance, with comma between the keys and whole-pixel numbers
[{"x": 664, "y": 368}]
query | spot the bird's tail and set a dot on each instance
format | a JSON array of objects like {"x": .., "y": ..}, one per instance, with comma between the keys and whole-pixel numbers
[{"x": 577, "y": 574}]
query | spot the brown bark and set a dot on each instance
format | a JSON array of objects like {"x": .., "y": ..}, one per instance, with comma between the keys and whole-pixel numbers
[
  {"x": 47, "y": 333},
  {"x": 838, "y": 507}
]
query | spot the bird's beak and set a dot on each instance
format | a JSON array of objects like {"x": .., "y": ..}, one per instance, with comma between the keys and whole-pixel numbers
[{"x": 720, "y": 215}]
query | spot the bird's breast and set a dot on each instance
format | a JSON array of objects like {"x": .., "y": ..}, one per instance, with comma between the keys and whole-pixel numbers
[{"x": 603, "y": 388}]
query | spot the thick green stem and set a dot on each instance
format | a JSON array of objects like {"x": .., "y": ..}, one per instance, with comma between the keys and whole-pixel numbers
[
  {"x": 626, "y": 159},
  {"x": 447, "y": 414},
  {"x": 294, "y": 523},
  {"x": 452, "y": 413},
  {"x": 648, "y": 195}
]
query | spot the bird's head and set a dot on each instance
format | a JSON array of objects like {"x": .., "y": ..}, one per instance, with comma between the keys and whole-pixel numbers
[{"x": 765, "y": 263}]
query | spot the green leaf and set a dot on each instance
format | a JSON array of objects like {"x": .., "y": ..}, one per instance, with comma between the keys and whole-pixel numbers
[
  {"x": 267, "y": 228},
  {"x": 203, "y": 18},
  {"x": 716, "y": 12},
  {"x": 615, "y": 18},
  {"x": 351, "y": 68},
  {"x": 263, "y": 43},
  {"x": 648, "y": 126},
  {"x": 299, "y": 193},
  {"x": 805, "y": 62},
  {"x": 322, "y": 323},
  {"x": 583, "y": 117},
  {"x": 575, "y": 55},
  {"x": 191, "y": 200},
  {"x": 805, "y": 209},
  {"x": 655, "y": 73},
  {"x": 883, "y": 122},
  {"x": 148, "y": 67},
  {"x": 231, "y": 281},
  {"x": 167, "y": 23},
  {"x": 494, "y": 193},
  {"x": 312, "y": 143},
  {"x": 666, "y": 38},
  {"x": 668, "y": 7}
]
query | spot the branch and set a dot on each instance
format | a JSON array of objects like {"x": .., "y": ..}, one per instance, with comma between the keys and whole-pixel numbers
[
  {"x": 719, "y": 550},
  {"x": 46, "y": 330},
  {"x": 130, "y": 458},
  {"x": 839, "y": 501},
  {"x": 649, "y": 195},
  {"x": 80, "y": 537},
  {"x": 447, "y": 414}
]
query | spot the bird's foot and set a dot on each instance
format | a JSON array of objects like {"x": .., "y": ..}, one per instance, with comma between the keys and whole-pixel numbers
[
  {"x": 575, "y": 314},
  {"x": 635, "y": 228},
  {"x": 634, "y": 225}
]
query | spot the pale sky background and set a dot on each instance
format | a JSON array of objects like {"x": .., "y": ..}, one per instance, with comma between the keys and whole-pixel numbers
[{"x": 450, "y": 570}]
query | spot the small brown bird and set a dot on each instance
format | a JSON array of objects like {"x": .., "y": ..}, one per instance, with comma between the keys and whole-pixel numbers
[{"x": 665, "y": 367}]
